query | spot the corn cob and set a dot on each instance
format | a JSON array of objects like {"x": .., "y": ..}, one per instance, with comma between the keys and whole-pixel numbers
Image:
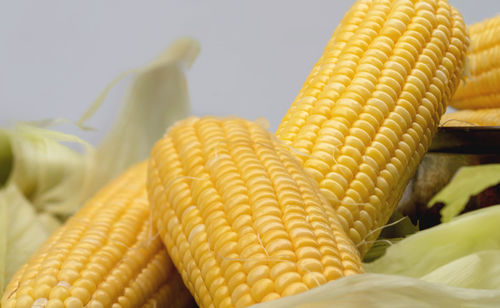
[
  {"x": 107, "y": 255},
  {"x": 482, "y": 85},
  {"x": 478, "y": 117},
  {"x": 367, "y": 112},
  {"x": 240, "y": 219}
]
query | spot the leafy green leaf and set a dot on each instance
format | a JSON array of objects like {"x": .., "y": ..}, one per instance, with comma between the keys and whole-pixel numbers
[
  {"x": 46, "y": 181},
  {"x": 5, "y": 158},
  {"x": 396, "y": 229},
  {"x": 382, "y": 291},
  {"x": 58, "y": 179},
  {"x": 21, "y": 231},
  {"x": 429, "y": 250},
  {"x": 478, "y": 270},
  {"x": 378, "y": 249},
  {"x": 156, "y": 99},
  {"x": 468, "y": 181},
  {"x": 48, "y": 173}
]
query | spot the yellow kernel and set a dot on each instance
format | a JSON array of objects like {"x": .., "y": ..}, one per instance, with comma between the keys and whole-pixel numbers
[
  {"x": 294, "y": 288},
  {"x": 81, "y": 293},
  {"x": 24, "y": 301},
  {"x": 261, "y": 288},
  {"x": 59, "y": 292},
  {"x": 285, "y": 280},
  {"x": 54, "y": 303},
  {"x": 73, "y": 302}
]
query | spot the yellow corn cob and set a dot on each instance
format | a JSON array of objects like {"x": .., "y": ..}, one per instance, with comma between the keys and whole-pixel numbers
[
  {"x": 482, "y": 85},
  {"x": 106, "y": 255},
  {"x": 478, "y": 117},
  {"x": 241, "y": 220},
  {"x": 367, "y": 112}
]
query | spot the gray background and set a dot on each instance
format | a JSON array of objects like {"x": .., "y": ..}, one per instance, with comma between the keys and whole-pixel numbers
[{"x": 57, "y": 56}]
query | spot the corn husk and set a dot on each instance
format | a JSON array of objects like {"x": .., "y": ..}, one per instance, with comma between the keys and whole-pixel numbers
[
  {"x": 22, "y": 230},
  {"x": 468, "y": 181},
  {"x": 43, "y": 180},
  {"x": 386, "y": 291},
  {"x": 423, "y": 253}
]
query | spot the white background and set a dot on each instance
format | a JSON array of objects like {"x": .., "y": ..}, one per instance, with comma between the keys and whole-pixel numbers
[{"x": 57, "y": 56}]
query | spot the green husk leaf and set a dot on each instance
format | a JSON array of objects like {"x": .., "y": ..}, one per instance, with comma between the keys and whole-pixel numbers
[
  {"x": 96, "y": 105},
  {"x": 157, "y": 98},
  {"x": 467, "y": 182},
  {"x": 396, "y": 229},
  {"x": 378, "y": 249},
  {"x": 46, "y": 171},
  {"x": 5, "y": 158},
  {"x": 22, "y": 231},
  {"x": 434, "y": 249},
  {"x": 383, "y": 291},
  {"x": 58, "y": 179},
  {"x": 478, "y": 270},
  {"x": 45, "y": 181}
]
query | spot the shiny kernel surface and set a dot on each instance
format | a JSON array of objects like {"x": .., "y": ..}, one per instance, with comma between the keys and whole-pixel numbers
[
  {"x": 108, "y": 254},
  {"x": 242, "y": 221},
  {"x": 376, "y": 94}
]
